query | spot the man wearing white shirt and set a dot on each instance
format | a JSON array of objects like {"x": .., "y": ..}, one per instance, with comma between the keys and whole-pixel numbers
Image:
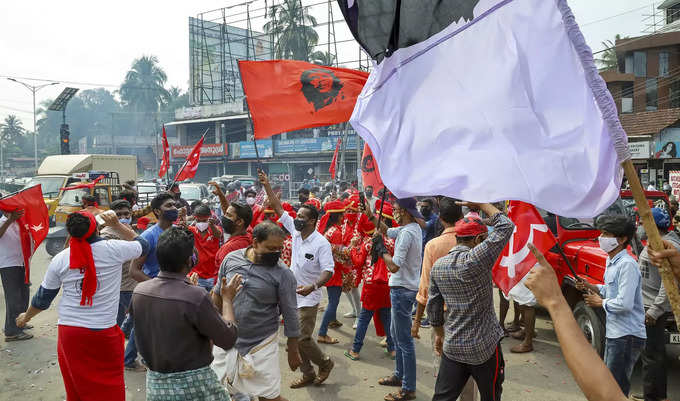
[
  {"x": 312, "y": 264},
  {"x": 13, "y": 275},
  {"x": 89, "y": 343}
]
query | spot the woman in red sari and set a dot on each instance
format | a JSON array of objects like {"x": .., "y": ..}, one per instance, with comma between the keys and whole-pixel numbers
[
  {"x": 375, "y": 293},
  {"x": 331, "y": 227}
]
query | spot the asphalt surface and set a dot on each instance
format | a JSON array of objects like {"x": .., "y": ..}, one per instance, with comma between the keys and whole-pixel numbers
[{"x": 29, "y": 369}]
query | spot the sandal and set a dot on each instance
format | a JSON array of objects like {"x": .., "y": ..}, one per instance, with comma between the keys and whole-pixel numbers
[
  {"x": 349, "y": 355},
  {"x": 522, "y": 348},
  {"x": 327, "y": 340},
  {"x": 401, "y": 395},
  {"x": 390, "y": 354},
  {"x": 511, "y": 328},
  {"x": 303, "y": 381},
  {"x": 334, "y": 324},
  {"x": 392, "y": 381},
  {"x": 19, "y": 337}
]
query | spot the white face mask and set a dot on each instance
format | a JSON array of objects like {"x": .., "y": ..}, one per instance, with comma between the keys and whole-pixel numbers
[
  {"x": 250, "y": 201},
  {"x": 202, "y": 226},
  {"x": 608, "y": 244}
]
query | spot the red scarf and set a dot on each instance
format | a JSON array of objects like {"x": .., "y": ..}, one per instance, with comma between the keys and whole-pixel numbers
[{"x": 81, "y": 258}]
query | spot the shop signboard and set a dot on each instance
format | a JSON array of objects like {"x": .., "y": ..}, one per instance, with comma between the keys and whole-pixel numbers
[
  {"x": 674, "y": 178},
  {"x": 312, "y": 145},
  {"x": 639, "y": 150},
  {"x": 246, "y": 149},
  {"x": 668, "y": 144},
  {"x": 207, "y": 150}
]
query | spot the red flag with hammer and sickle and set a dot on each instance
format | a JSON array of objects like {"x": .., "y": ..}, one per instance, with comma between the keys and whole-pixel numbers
[{"x": 516, "y": 259}]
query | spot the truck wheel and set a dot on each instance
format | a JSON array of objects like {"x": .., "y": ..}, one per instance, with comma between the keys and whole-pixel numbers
[
  {"x": 54, "y": 245},
  {"x": 592, "y": 325}
]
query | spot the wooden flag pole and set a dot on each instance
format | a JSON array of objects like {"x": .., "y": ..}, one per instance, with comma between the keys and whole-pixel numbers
[{"x": 653, "y": 237}]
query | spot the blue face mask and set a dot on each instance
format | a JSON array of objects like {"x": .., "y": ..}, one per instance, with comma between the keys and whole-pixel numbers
[
  {"x": 171, "y": 215},
  {"x": 125, "y": 221}
]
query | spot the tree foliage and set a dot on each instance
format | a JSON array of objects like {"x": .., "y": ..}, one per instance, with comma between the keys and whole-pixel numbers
[
  {"x": 608, "y": 59},
  {"x": 293, "y": 29}
]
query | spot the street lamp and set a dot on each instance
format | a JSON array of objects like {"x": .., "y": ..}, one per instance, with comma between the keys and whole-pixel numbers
[{"x": 33, "y": 90}]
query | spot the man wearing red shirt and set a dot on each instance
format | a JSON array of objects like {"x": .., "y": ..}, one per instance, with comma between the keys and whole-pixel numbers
[
  {"x": 207, "y": 237},
  {"x": 236, "y": 223}
]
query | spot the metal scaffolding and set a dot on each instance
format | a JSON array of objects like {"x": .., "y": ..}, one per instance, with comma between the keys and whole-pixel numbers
[{"x": 219, "y": 38}]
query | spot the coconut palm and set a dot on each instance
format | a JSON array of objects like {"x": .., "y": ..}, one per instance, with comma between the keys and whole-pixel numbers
[
  {"x": 293, "y": 30},
  {"x": 144, "y": 85},
  {"x": 11, "y": 130},
  {"x": 609, "y": 60}
]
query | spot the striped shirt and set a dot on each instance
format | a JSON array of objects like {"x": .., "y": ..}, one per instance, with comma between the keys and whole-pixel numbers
[{"x": 462, "y": 280}]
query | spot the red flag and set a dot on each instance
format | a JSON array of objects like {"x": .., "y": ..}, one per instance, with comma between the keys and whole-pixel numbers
[
  {"x": 89, "y": 185},
  {"x": 516, "y": 259},
  {"x": 189, "y": 168},
  {"x": 334, "y": 162},
  {"x": 287, "y": 95},
  {"x": 34, "y": 224},
  {"x": 166, "y": 156},
  {"x": 370, "y": 176}
]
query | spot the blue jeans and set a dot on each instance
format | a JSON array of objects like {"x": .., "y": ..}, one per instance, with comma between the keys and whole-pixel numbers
[
  {"x": 331, "y": 310},
  {"x": 207, "y": 283},
  {"x": 620, "y": 356},
  {"x": 402, "y": 303},
  {"x": 365, "y": 317},
  {"x": 123, "y": 305},
  {"x": 131, "y": 349}
]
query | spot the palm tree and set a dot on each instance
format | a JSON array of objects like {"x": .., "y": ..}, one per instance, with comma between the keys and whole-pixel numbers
[
  {"x": 144, "y": 85},
  {"x": 293, "y": 29},
  {"x": 11, "y": 130},
  {"x": 609, "y": 60},
  {"x": 322, "y": 58}
]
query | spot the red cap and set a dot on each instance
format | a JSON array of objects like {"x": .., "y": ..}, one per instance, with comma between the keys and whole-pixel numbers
[{"x": 470, "y": 227}]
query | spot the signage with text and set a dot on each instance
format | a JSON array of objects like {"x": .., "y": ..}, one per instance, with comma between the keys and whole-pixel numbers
[
  {"x": 639, "y": 150},
  {"x": 207, "y": 150},
  {"x": 246, "y": 149},
  {"x": 310, "y": 145}
]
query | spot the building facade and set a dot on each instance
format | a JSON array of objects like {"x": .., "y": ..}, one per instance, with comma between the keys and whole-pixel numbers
[{"x": 646, "y": 89}]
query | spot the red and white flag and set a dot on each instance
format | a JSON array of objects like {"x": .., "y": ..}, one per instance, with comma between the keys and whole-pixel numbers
[
  {"x": 165, "y": 164},
  {"x": 516, "y": 259},
  {"x": 33, "y": 225},
  {"x": 190, "y": 166},
  {"x": 334, "y": 162}
]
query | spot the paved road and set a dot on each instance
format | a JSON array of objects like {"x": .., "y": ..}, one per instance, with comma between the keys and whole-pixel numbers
[{"x": 29, "y": 370}]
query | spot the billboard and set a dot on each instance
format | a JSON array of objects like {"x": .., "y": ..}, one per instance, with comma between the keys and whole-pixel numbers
[
  {"x": 246, "y": 149},
  {"x": 207, "y": 150},
  {"x": 668, "y": 144},
  {"x": 312, "y": 145}
]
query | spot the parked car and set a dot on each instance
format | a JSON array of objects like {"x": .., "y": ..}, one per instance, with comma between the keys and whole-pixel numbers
[
  {"x": 194, "y": 192},
  {"x": 577, "y": 247}
]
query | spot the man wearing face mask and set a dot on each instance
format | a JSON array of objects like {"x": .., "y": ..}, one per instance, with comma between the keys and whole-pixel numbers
[
  {"x": 235, "y": 223},
  {"x": 427, "y": 210},
  {"x": 461, "y": 280},
  {"x": 179, "y": 201},
  {"x": 303, "y": 195},
  {"x": 127, "y": 284},
  {"x": 621, "y": 298},
  {"x": 268, "y": 292},
  {"x": 207, "y": 237},
  {"x": 368, "y": 191},
  {"x": 312, "y": 264},
  {"x": 147, "y": 267}
]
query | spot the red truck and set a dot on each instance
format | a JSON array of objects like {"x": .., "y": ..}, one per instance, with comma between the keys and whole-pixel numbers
[{"x": 577, "y": 239}]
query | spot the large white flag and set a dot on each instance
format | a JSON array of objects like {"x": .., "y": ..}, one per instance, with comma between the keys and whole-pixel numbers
[{"x": 505, "y": 105}]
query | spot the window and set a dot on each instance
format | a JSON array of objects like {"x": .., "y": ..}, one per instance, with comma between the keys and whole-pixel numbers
[
  {"x": 628, "y": 69},
  {"x": 674, "y": 94},
  {"x": 663, "y": 64},
  {"x": 673, "y": 13},
  {"x": 640, "y": 64},
  {"x": 627, "y": 97},
  {"x": 652, "y": 94}
]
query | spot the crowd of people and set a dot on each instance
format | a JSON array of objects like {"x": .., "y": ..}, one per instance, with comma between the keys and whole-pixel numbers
[{"x": 201, "y": 296}]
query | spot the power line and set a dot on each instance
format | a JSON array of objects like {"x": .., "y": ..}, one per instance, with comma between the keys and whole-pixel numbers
[{"x": 617, "y": 15}]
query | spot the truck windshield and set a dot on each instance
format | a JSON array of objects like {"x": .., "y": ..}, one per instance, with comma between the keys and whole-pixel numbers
[
  {"x": 50, "y": 185},
  {"x": 190, "y": 192},
  {"x": 73, "y": 197},
  {"x": 572, "y": 223}
]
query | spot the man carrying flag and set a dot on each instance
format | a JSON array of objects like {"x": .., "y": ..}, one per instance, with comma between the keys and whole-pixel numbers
[
  {"x": 23, "y": 227},
  {"x": 462, "y": 281},
  {"x": 12, "y": 271}
]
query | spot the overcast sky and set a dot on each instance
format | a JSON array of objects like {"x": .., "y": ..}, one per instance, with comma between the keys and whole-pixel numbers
[{"x": 95, "y": 42}]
